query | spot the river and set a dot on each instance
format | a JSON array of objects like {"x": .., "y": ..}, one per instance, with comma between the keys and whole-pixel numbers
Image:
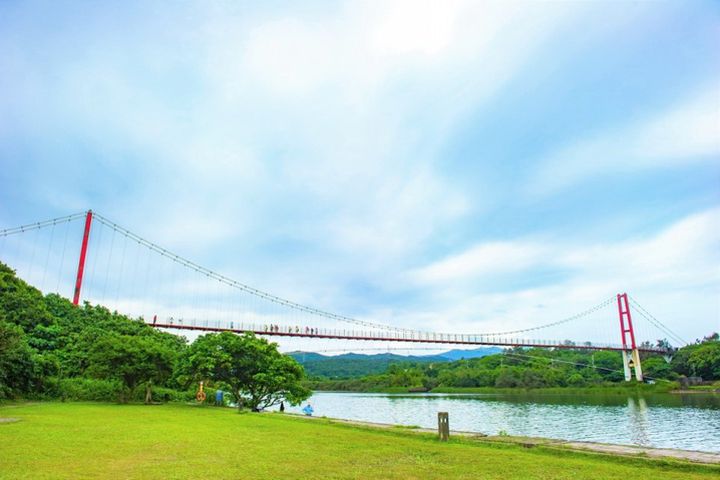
[{"x": 688, "y": 422}]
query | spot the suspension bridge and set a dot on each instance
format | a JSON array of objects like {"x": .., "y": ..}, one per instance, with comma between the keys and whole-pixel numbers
[{"x": 98, "y": 261}]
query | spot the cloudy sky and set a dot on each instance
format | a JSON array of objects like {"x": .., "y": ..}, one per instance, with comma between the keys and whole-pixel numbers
[{"x": 462, "y": 166}]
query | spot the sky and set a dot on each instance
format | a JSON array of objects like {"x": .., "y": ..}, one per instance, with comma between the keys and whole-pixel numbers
[{"x": 448, "y": 166}]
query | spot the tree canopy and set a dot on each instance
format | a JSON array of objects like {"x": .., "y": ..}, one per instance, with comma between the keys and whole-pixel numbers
[
  {"x": 51, "y": 348},
  {"x": 133, "y": 360},
  {"x": 256, "y": 374}
]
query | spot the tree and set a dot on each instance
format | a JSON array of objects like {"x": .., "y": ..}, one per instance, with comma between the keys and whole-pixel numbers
[
  {"x": 21, "y": 304},
  {"x": 252, "y": 369},
  {"x": 713, "y": 337},
  {"x": 701, "y": 358},
  {"x": 17, "y": 364},
  {"x": 657, "y": 367},
  {"x": 705, "y": 360},
  {"x": 133, "y": 360},
  {"x": 665, "y": 345}
]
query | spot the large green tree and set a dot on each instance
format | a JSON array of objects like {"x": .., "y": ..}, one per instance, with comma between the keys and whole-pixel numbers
[
  {"x": 46, "y": 340},
  {"x": 704, "y": 361},
  {"x": 255, "y": 372},
  {"x": 17, "y": 362},
  {"x": 132, "y": 359}
]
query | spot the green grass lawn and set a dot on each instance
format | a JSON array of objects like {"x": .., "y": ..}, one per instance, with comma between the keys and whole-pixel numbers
[{"x": 89, "y": 440}]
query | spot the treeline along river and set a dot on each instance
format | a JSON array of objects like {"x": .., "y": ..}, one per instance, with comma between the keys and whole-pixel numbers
[{"x": 689, "y": 422}]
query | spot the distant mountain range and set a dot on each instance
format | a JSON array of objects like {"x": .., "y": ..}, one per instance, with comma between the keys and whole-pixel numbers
[{"x": 350, "y": 365}]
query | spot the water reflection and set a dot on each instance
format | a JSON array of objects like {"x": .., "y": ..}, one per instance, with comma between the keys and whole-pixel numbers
[
  {"x": 661, "y": 420},
  {"x": 637, "y": 414}
]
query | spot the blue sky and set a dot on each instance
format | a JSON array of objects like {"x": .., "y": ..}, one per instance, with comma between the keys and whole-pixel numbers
[{"x": 439, "y": 165}]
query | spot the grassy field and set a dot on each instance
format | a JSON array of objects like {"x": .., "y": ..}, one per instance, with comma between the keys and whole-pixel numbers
[{"x": 88, "y": 440}]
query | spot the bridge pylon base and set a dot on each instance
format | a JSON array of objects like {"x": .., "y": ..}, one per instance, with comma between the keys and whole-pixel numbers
[{"x": 631, "y": 361}]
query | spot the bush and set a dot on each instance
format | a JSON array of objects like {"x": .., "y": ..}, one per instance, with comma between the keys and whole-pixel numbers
[
  {"x": 87, "y": 389},
  {"x": 162, "y": 394},
  {"x": 576, "y": 380}
]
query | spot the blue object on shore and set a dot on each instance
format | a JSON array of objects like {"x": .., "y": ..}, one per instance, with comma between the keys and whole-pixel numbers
[
  {"x": 219, "y": 397},
  {"x": 308, "y": 410}
]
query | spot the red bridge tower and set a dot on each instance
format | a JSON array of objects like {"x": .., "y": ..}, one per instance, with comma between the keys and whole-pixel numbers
[{"x": 630, "y": 354}]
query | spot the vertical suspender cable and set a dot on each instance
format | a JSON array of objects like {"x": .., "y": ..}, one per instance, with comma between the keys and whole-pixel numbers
[
  {"x": 32, "y": 258},
  {"x": 62, "y": 259},
  {"x": 2, "y": 247},
  {"x": 47, "y": 259},
  {"x": 134, "y": 277},
  {"x": 121, "y": 271},
  {"x": 145, "y": 274},
  {"x": 97, "y": 245},
  {"x": 108, "y": 265}
]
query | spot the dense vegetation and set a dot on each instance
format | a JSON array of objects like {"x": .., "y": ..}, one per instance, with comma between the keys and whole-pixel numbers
[
  {"x": 351, "y": 365},
  {"x": 535, "y": 368},
  {"x": 50, "y": 348}
]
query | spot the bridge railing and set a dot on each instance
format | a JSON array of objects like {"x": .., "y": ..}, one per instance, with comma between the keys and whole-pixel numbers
[{"x": 379, "y": 335}]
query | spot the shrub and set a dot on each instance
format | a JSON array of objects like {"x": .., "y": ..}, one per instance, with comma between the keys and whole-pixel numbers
[{"x": 88, "y": 389}]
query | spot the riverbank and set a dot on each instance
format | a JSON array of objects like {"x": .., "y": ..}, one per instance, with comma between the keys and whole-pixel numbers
[
  {"x": 89, "y": 440},
  {"x": 532, "y": 442},
  {"x": 663, "y": 387}
]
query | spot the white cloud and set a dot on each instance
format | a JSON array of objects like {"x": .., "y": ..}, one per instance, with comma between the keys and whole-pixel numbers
[
  {"x": 233, "y": 115},
  {"x": 688, "y": 133},
  {"x": 410, "y": 26},
  {"x": 290, "y": 56},
  {"x": 244, "y": 128},
  {"x": 482, "y": 260},
  {"x": 675, "y": 273}
]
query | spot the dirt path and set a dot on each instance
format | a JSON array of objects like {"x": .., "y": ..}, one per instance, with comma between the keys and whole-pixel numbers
[{"x": 605, "y": 448}]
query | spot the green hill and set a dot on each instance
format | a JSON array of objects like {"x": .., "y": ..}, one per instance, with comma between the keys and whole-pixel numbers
[{"x": 351, "y": 365}]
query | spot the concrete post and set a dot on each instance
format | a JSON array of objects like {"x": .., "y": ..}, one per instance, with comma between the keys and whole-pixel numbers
[{"x": 443, "y": 426}]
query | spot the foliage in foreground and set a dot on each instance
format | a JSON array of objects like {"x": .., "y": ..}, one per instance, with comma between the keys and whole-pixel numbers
[
  {"x": 252, "y": 369},
  {"x": 50, "y": 348}
]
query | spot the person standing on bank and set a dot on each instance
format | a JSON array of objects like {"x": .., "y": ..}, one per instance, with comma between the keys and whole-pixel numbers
[{"x": 282, "y": 407}]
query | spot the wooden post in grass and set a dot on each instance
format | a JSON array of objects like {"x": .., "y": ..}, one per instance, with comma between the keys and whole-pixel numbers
[{"x": 443, "y": 426}]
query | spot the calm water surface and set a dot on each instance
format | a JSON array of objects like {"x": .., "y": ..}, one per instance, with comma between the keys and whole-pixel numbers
[{"x": 690, "y": 422}]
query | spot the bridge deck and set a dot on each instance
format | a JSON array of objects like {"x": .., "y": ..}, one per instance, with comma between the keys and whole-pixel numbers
[{"x": 391, "y": 336}]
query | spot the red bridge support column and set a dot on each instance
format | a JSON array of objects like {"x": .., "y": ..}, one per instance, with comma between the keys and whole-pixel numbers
[
  {"x": 83, "y": 253},
  {"x": 630, "y": 354}
]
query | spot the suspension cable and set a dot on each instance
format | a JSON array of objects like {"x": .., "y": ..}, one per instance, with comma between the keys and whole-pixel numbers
[
  {"x": 556, "y": 360},
  {"x": 259, "y": 293},
  {"x": 597, "y": 307},
  {"x": 241, "y": 286},
  {"x": 649, "y": 317},
  {"x": 297, "y": 306},
  {"x": 38, "y": 225}
]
